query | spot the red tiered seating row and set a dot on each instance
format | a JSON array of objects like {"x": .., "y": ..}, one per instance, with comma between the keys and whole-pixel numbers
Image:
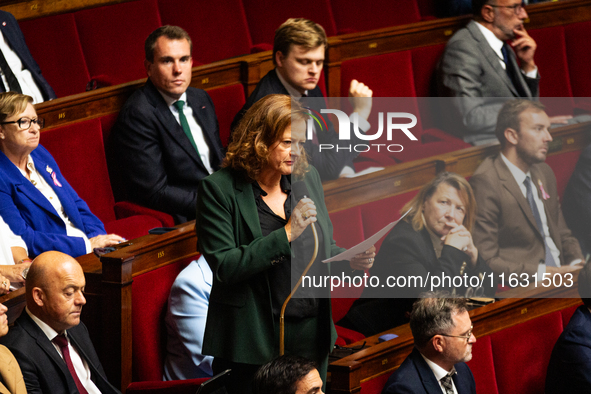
[{"x": 74, "y": 48}]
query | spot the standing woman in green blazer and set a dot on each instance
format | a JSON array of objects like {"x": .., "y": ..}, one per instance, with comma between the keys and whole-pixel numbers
[{"x": 255, "y": 238}]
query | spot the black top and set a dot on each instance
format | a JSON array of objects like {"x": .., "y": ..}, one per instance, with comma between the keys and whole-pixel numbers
[{"x": 284, "y": 276}]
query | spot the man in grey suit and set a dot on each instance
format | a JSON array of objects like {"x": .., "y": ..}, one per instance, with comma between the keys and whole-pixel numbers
[
  {"x": 479, "y": 68},
  {"x": 519, "y": 225}
]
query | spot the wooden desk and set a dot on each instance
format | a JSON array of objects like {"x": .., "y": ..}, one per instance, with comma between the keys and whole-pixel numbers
[{"x": 347, "y": 374}]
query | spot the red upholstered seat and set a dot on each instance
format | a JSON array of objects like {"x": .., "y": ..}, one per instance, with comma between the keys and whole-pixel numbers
[
  {"x": 579, "y": 57},
  {"x": 521, "y": 354},
  {"x": 149, "y": 332},
  {"x": 112, "y": 39},
  {"x": 265, "y": 16},
  {"x": 228, "y": 100},
  {"x": 351, "y": 16},
  {"x": 482, "y": 366},
  {"x": 553, "y": 67},
  {"x": 374, "y": 386},
  {"x": 218, "y": 29},
  {"x": 563, "y": 166},
  {"x": 54, "y": 44},
  {"x": 79, "y": 151},
  {"x": 147, "y": 318},
  {"x": 391, "y": 75}
]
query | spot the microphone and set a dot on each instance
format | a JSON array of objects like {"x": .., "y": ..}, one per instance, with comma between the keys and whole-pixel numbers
[{"x": 300, "y": 191}]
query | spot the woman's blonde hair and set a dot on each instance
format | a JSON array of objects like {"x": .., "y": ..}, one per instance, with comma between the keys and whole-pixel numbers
[
  {"x": 415, "y": 216},
  {"x": 12, "y": 103},
  {"x": 261, "y": 127}
]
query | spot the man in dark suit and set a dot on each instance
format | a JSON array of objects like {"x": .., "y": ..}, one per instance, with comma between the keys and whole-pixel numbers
[
  {"x": 20, "y": 72},
  {"x": 166, "y": 138},
  {"x": 519, "y": 224},
  {"x": 48, "y": 340},
  {"x": 298, "y": 55},
  {"x": 442, "y": 331},
  {"x": 479, "y": 68},
  {"x": 569, "y": 370}
]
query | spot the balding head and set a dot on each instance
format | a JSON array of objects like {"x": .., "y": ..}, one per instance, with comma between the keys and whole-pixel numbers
[{"x": 55, "y": 285}]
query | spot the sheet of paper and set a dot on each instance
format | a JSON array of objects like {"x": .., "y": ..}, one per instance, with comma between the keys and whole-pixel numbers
[{"x": 364, "y": 245}]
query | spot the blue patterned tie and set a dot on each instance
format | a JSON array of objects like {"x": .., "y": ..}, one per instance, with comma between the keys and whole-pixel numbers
[{"x": 534, "y": 208}]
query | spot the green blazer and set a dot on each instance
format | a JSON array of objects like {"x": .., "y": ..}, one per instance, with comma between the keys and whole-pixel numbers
[{"x": 240, "y": 324}]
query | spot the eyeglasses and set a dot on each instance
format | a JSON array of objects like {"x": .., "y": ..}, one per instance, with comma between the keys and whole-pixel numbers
[
  {"x": 517, "y": 8},
  {"x": 466, "y": 336},
  {"x": 25, "y": 123}
]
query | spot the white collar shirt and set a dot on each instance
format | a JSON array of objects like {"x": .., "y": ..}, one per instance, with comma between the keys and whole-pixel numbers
[
  {"x": 80, "y": 365},
  {"x": 24, "y": 76},
  {"x": 196, "y": 130},
  {"x": 8, "y": 240},
  {"x": 497, "y": 45},
  {"x": 519, "y": 177},
  {"x": 39, "y": 182},
  {"x": 440, "y": 373}
]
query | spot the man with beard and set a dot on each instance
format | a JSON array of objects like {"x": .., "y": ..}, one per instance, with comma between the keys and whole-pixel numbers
[
  {"x": 519, "y": 224},
  {"x": 480, "y": 68},
  {"x": 442, "y": 331}
]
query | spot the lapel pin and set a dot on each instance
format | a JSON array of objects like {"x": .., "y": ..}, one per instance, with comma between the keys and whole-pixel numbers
[
  {"x": 48, "y": 169},
  {"x": 203, "y": 107},
  {"x": 545, "y": 195},
  {"x": 3, "y": 23}
]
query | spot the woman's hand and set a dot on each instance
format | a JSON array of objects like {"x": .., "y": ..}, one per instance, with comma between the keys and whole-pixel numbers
[
  {"x": 363, "y": 261},
  {"x": 460, "y": 238},
  {"x": 101, "y": 241},
  {"x": 13, "y": 273},
  {"x": 301, "y": 217},
  {"x": 4, "y": 285}
]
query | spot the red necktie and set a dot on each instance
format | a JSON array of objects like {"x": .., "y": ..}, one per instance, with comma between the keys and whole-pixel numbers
[{"x": 62, "y": 342}]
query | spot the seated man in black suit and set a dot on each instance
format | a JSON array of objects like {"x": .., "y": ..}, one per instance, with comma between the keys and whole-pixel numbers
[
  {"x": 288, "y": 375},
  {"x": 298, "y": 55},
  {"x": 442, "y": 331},
  {"x": 48, "y": 339},
  {"x": 569, "y": 370},
  {"x": 19, "y": 71},
  {"x": 166, "y": 138}
]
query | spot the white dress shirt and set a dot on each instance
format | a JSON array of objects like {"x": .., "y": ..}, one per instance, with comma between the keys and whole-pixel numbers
[
  {"x": 24, "y": 76},
  {"x": 80, "y": 366},
  {"x": 8, "y": 240},
  {"x": 497, "y": 45},
  {"x": 39, "y": 182},
  {"x": 196, "y": 130},
  {"x": 439, "y": 374}
]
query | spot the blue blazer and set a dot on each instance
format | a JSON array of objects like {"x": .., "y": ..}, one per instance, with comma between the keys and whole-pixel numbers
[
  {"x": 569, "y": 370},
  {"x": 14, "y": 36},
  {"x": 30, "y": 215},
  {"x": 415, "y": 377}
]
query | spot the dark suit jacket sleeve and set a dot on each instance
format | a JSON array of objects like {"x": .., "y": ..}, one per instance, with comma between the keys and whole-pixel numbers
[
  {"x": 138, "y": 137},
  {"x": 15, "y": 38}
]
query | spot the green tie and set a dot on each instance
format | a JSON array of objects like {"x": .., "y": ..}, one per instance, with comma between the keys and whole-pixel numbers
[{"x": 184, "y": 124}]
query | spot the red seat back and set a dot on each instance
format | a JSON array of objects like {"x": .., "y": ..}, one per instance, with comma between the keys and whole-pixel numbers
[
  {"x": 579, "y": 57},
  {"x": 265, "y": 16},
  {"x": 228, "y": 100},
  {"x": 350, "y": 16},
  {"x": 79, "y": 151},
  {"x": 482, "y": 366},
  {"x": 114, "y": 51},
  {"x": 522, "y": 353},
  {"x": 563, "y": 166},
  {"x": 58, "y": 52},
  {"x": 147, "y": 318},
  {"x": 218, "y": 29}
]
